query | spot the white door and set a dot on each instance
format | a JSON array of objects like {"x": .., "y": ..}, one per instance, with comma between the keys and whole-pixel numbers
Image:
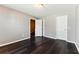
[{"x": 61, "y": 27}]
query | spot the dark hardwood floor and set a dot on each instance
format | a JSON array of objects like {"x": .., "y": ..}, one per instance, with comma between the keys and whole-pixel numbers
[{"x": 43, "y": 45}]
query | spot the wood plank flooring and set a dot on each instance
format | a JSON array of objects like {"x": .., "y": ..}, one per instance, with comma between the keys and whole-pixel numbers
[{"x": 44, "y": 45}]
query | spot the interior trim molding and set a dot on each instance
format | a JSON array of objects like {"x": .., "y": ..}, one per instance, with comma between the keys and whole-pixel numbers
[
  {"x": 13, "y": 42},
  {"x": 50, "y": 37},
  {"x": 77, "y": 44}
]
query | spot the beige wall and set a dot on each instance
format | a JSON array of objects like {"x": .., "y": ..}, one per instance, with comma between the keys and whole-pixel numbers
[
  {"x": 50, "y": 24},
  {"x": 14, "y": 26}
]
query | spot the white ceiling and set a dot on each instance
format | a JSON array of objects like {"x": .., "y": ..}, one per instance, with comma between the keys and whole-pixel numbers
[{"x": 48, "y": 9}]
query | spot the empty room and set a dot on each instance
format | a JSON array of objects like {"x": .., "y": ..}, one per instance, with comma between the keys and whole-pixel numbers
[{"x": 39, "y": 28}]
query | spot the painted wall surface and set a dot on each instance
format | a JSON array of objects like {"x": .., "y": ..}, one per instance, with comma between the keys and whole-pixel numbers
[
  {"x": 50, "y": 24},
  {"x": 77, "y": 25},
  {"x": 14, "y": 26},
  {"x": 72, "y": 26},
  {"x": 61, "y": 27},
  {"x": 38, "y": 27}
]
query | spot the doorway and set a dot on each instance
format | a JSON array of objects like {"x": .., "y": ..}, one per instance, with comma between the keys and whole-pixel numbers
[
  {"x": 32, "y": 29},
  {"x": 61, "y": 27}
]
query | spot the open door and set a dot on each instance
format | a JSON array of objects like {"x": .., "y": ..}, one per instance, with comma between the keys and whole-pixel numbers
[{"x": 32, "y": 29}]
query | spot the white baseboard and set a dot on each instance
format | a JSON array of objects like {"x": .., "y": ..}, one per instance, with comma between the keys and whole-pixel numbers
[
  {"x": 77, "y": 44},
  {"x": 13, "y": 42},
  {"x": 49, "y": 37}
]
